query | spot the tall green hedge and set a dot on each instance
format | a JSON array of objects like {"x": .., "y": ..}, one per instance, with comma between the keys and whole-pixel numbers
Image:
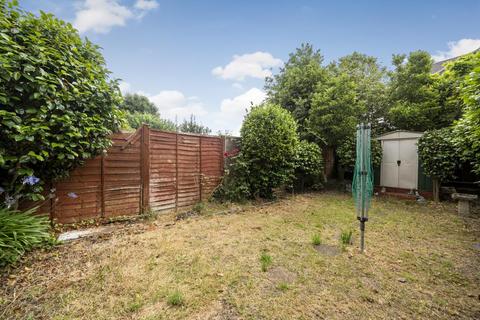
[
  {"x": 269, "y": 144},
  {"x": 58, "y": 104},
  {"x": 439, "y": 157}
]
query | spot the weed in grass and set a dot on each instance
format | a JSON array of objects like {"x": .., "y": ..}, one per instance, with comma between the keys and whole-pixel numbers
[
  {"x": 199, "y": 207},
  {"x": 175, "y": 298},
  {"x": 152, "y": 263},
  {"x": 150, "y": 215},
  {"x": 136, "y": 304},
  {"x": 346, "y": 237},
  {"x": 265, "y": 261},
  {"x": 283, "y": 286},
  {"x": 316, "y": 240}
]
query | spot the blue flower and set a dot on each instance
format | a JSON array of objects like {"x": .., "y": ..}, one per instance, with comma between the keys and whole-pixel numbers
[
  {"x": 72, "y": 195},
  {"x": 31, "y": 180}
]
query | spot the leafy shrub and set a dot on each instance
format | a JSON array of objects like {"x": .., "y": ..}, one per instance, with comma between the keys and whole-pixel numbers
[
  {"x": 21, "y": 232},
  {"x": 269, "y": 144},
  {"x": 265, "y": 261},
  {"x": 308, "y": 165},
  {"x": 234, "y": 186},
  {"x": 346, "y": 237},
  {"x": 438, "y": 156},
  {"x": 136, "y": 120},
  {"x": 198, "y": 207},
  {"x": 346, "y": 153},
  {"x": 58, "y": 104}
]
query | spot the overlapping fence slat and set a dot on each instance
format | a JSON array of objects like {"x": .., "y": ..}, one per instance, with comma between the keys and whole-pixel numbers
[{"x": 148, "y": 169}]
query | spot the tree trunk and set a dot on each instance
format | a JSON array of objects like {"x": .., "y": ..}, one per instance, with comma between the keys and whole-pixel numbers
[{"x": 436, "y": 190}]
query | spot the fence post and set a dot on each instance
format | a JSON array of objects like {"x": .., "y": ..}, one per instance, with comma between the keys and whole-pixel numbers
[
  {"x": 200, "y": 169},
  {"x": 222, "y": 157},
  {"x": 145, "y": 168},
  {"x": 176, "y": 170},
  {"x": 102, "y": 186},
  {"x": 53, "y": 202}
]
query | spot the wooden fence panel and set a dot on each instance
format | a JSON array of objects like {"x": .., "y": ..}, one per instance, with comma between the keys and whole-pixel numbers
[
  {"x": 148, "y": 169},
  {"x": 79, "y": 197},
  {"x": 188, "y": 170},
  {"x": 163, "y": 182},
  {"x": 121, "y": 172},
  {"x": 211, "y": 164}
]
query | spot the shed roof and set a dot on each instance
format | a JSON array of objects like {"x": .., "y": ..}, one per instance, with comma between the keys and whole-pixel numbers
[{"x": 400, "y": 134}]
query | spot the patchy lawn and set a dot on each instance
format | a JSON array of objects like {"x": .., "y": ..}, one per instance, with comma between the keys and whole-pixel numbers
[{"x": 422, "y": 261}]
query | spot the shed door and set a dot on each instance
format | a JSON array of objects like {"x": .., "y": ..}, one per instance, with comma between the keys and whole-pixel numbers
[
  {"x": 389, "y": 170},
  {"x": 408, "y": 169},
  {"x": 399, "y": 164}
]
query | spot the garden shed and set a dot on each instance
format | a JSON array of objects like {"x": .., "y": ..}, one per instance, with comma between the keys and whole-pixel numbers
[{"x": 400, "y": 169}]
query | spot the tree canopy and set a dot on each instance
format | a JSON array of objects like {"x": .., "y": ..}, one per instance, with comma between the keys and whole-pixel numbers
[
  {"x": 413, "y": 95},
  {"x": 354, "y": 92},
  {"x": 136, "y": 120},
  {"x": 137, "y": 103},
  {"x": 467, "y": 129},
  {"x": 58, "y": 104},
  {"x": 192, "y": 126},
  {"x": 294, "y": 86}
]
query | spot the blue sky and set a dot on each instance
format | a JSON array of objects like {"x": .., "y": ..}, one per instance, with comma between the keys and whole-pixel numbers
[{"x": 210, "y": 57}]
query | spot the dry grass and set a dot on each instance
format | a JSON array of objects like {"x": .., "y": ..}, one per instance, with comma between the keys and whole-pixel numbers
[{"x": 420, "y": 263}]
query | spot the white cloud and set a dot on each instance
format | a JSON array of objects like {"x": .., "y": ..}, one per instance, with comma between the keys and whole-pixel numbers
[
  {"x": 255, "y": 65},
  {"x": 173, "y": 103},
  {"x": 232, "y": 111},
  {"x": 101, "y": 16},
  {"x": 457, "y": 48},
  {"x": 125, "y": 87},
  {"x": 146, "y": 4}
]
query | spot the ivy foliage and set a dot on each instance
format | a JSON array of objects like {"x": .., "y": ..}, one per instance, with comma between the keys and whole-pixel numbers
[
  {"x": 347, "y": 152},
  {"x": 269, "y": 146},
  {"x": 57, "y": 103},
  {"x": 308, "y": 165},
  {"x": 438, "y": 154}
]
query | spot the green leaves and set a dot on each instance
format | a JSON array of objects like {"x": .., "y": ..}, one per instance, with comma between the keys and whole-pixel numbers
[
  {"x": 21, "y": 232},
  {"x": 58, "y": 103},
  {"x": 308, "y": 164},
  {"x": 346, "y": 152},
  {"x": 269, "y": 145},
  {"x": 437, "y": 154},
  {"x": 136, "y": 119}
]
